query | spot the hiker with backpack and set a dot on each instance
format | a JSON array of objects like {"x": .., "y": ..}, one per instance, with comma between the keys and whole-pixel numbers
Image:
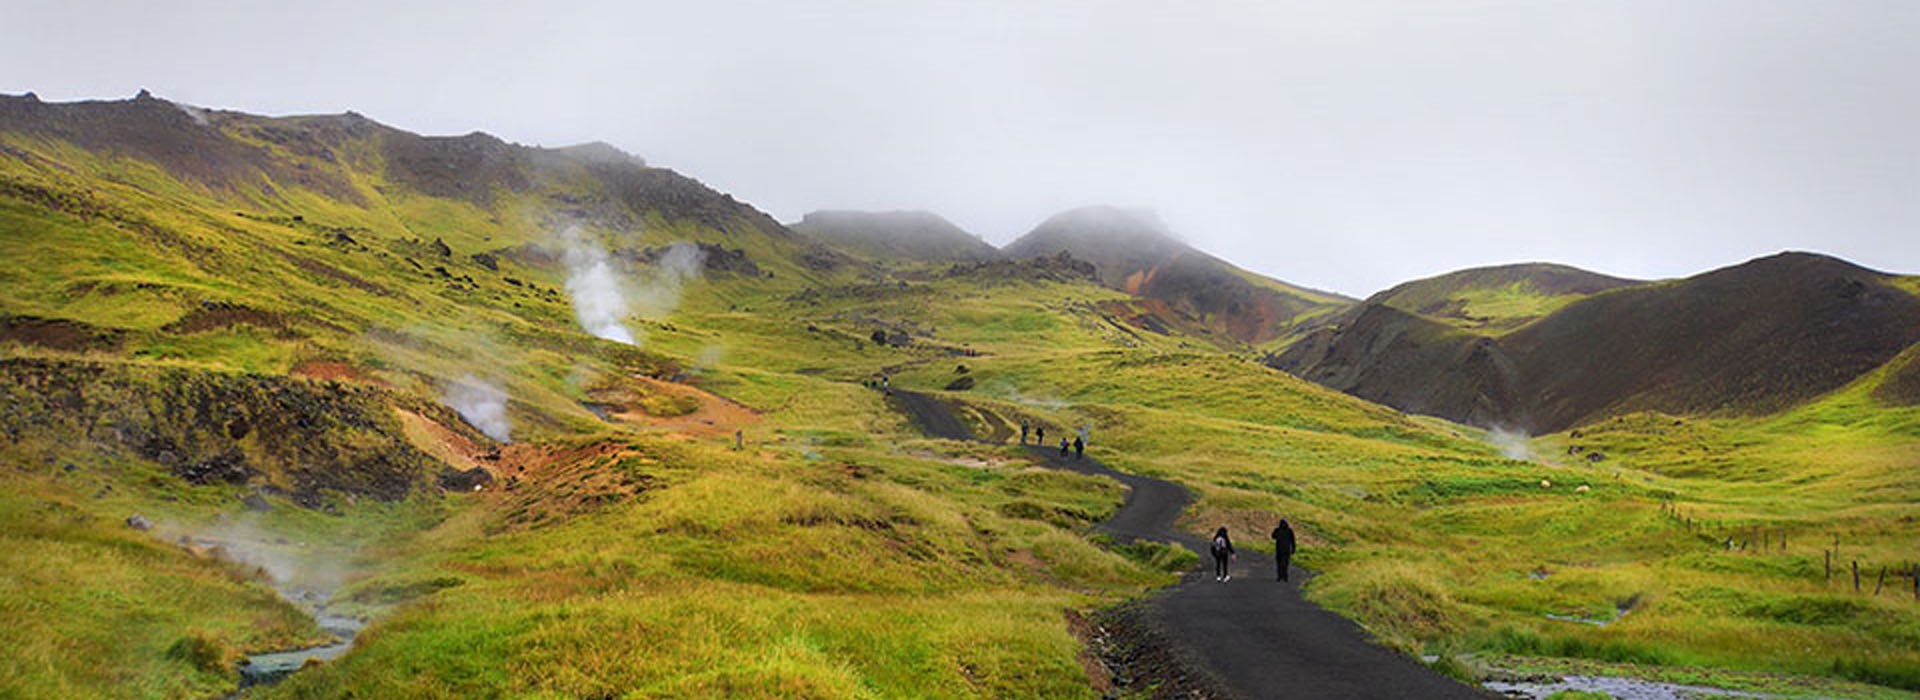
[
  {"x": 1079, "y": 448},
  {"x": 1039, "y": 435},
  {"x": 1063, "y": 447},
  {"x": 1024, "y": 429},
  {"x": 1283, "y": 546},
  {"x": 1222, "y": 553}
]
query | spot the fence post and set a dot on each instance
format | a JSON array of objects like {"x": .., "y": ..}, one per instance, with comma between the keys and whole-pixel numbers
[
  {"x": 1829, "y": 554},
  {"x": 1856, "y": 575},
  {"x": 1882, "y": 580}
]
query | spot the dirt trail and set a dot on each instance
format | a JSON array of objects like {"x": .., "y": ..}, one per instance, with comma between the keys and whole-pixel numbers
[{"x": 1256, "y": 635}]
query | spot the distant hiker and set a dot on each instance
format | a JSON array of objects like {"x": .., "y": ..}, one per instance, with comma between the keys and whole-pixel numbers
[
  {"x": 1064, "y": 445},
  {"x": 1283, "y": 547},
  {"x": 1039, "y": 435},
  {"x": 886, "y": 383},
  {"x": 1222, "y": 553},
  {"x": 1023, "y": 432},
  {"x": 1079, "y": 448}
]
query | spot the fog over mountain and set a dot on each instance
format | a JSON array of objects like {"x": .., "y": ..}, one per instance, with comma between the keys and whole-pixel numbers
[{"x": 1342, "y": 146}]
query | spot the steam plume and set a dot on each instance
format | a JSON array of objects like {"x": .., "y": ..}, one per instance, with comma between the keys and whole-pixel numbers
[
  {"x": 482, "y": 404},
  {"x": 658, "y": 292},
  {"x": 1512, "y": 444},
  {"x": 598, "y": 298}
]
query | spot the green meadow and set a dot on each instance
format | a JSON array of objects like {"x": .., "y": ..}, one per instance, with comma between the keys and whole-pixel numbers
[{"x": 812, "y": 544}]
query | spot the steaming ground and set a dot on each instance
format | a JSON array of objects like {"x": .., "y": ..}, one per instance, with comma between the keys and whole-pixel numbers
[
  {"x": 604, "y": 296},
  {"x": 483, "y": 405},
  {"x": 1512, "y": 444},
  {"x": 597, "y": 291}
]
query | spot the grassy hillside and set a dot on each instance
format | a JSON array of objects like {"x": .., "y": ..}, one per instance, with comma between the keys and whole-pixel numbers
[
  {"x": 1497, "y": 299},
  {"x": 259, "y": 333},
  {"x": 896, "y": 236}
]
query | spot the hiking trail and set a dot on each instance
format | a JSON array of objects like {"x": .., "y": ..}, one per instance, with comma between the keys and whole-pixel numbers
[{"x": 1256, "y": 636}]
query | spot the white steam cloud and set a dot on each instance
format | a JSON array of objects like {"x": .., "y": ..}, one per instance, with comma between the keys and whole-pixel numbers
[
  {"x": 198, "y": 115},
  {"x": 603, "y": 297},
  {"x": 482, "y": 404},
  {"x": 658, "y": 293},
  {"x": 599, "y": 300},
  {"x": 1512, "y": 444},
  {"x": 300, "y": 572}
]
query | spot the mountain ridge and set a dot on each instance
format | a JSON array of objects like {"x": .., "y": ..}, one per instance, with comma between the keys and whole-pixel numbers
[{"x": 1136, "y": 253}]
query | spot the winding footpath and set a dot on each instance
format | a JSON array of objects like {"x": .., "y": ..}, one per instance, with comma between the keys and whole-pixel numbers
[{"x": 1256, "y": 635}]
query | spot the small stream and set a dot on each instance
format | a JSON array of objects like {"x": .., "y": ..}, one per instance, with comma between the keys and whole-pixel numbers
[
  {"x": 1615, "y": 686},
  {"x": 302, "y": 577},
  {"x": 272, "y": 667}
]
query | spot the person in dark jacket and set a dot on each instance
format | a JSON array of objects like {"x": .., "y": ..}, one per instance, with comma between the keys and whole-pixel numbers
[
  {"x": 1282, "y": 547},
  {"x": 1079, "y": 448},
  {"x": 1222, "y": 553},
  {"x": 1063, "y": 447},
  {"x": 1024, "y": 429},
  {"x": 1039, "y": 435}
]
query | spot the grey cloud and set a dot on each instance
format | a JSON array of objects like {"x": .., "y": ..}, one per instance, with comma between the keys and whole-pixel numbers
[{"x": 1343, "y": 145}]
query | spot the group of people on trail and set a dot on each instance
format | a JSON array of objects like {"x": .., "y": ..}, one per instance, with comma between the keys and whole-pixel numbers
[
  {"x": 1077, "y": 448},
  {"x": 1283, "y": 546}
]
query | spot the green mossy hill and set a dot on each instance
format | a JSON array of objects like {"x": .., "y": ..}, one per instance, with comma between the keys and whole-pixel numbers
[
  {"x": 896, "y": 236},
  {"x": 1497, "y": 299}
]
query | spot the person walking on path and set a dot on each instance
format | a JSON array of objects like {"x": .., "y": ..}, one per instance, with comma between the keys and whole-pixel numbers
[
  {"x": 1063, "y": 447},
  {"x": 1282, "y": 547},
  {"x": 1024, "y": 429},
  {"x": 1079, "y": 448},
  {"x": 1039, "y": 435},
  {"x": 1222, "y": 553}
]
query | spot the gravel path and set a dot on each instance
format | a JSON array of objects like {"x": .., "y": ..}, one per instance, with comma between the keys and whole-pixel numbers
[{"x": 1257, "y": 635}]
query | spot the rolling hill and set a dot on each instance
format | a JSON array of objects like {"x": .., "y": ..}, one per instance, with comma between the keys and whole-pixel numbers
[
  {"x": 1496, "y": 299},
  {"x": 1185, "y": 287},
  {"x": 1754, "y": 338},
  {"x": 911, "y": 236}
]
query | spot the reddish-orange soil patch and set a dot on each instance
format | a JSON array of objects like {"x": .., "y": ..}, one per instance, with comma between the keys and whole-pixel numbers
[{"x": 627, "y": 402}]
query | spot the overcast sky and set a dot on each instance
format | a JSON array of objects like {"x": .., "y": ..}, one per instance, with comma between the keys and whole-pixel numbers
[{"x": 1344, "y": 145}]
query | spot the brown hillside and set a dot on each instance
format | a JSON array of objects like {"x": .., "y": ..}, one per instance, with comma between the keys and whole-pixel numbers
[
  {"x": 1134, "y": 253},
  {"x": 1751, "y": 338}
]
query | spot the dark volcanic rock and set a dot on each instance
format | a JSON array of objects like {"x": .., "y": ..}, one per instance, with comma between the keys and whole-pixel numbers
[{"x": 306, "y": 436}]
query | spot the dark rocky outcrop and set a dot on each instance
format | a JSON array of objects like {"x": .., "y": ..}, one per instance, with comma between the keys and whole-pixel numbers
[{"x": 300, "y": 436}]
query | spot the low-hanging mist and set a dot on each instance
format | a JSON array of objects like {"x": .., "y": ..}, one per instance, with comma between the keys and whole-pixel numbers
[{"x": 1512, "y": 444}]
